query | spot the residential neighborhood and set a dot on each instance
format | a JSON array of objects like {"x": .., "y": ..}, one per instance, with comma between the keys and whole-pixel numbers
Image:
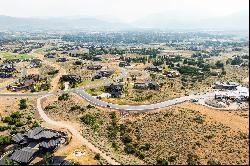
[{"x": 124, "y": 82}]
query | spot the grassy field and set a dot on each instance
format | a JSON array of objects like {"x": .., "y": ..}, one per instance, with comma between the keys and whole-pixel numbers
[{"x": 9, "y": 55}]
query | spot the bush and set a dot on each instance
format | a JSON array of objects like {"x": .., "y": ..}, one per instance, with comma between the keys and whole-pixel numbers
[
  {"x": 199, "y": 119},
  {"x": 188, "y": 70},
  {"x": 75, "y": 107},
  {"x": 90, "y": 106},
  {"x": 5, "y": 140},
  {"x": 97, "y": 156},
  {"x": 35, "y": 124},
  {"x": 129, "y": 148},
  {"x": 145, "y": 147},
  {"x": 140, "y": 154},
  {"x": 49, "y": 107},
  {"x": 126, "y": 139},
  {"x": 162, "y": 161},
  {"x": 64, "y": 97},
  {"x": 114, "y": 145},
  {"x": 53, "y": 72},
  {"x": 13, "y": 118},
  {"x": 88, "y": 119},
  {"x": 22, "y": 104},
  {"x": 192, "y": 159},
  {"x": 213, "y": 162}
]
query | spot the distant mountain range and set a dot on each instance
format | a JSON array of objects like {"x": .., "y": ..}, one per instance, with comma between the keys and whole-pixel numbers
[
  {"x": 166, "y": 20},
  {"x": 188, "y": 20}
]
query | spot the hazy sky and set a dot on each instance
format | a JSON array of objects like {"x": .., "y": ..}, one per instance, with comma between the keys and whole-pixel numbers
[{"x": 125, "y": 10}]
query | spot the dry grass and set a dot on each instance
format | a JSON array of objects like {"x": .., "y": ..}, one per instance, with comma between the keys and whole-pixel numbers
[{"x": 172, "y": 133}]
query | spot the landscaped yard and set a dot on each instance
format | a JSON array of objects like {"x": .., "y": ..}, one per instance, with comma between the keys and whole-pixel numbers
[{"x": 9, "y": 55}]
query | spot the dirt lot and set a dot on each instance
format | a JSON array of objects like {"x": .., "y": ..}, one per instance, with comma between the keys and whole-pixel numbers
[{"x": 11, "y": 104}]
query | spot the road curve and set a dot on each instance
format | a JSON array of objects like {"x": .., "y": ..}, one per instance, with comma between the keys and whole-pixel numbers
[
  {"x": 73, "y": 131},
  {"x": 95, "y": 101}
]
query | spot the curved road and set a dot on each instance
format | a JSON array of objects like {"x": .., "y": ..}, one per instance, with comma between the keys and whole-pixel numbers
[
  {"x": 163, "y": 104},
  {"x": 73, "y": 132}
]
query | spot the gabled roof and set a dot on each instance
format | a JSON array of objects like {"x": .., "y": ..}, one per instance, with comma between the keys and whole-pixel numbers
[
  {"x": 40, "y": 132},
  {"x": 24, "y": 155},
  {"x": 50, "y": 144},
  {"x": 33, "y": 132},
  {"x": 19, "y": 138}
]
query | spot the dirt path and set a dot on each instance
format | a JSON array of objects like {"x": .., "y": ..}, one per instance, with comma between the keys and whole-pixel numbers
[
  {"x": 73, "y": 131},
  {"x": 224, "y": 117},
  {"x": 55, "y": 80}
]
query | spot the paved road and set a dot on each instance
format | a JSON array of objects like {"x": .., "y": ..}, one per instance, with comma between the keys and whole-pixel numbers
[
  {"x": 73, "y": 131},
  {"x": 95, "y": 101}
]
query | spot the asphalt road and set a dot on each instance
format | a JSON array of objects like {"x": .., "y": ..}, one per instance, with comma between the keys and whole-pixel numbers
[
  {"x": 95, "y": 101},
  {"x": 92, "y": 99}
]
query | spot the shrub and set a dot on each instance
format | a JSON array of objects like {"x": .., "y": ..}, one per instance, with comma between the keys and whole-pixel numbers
[
  {"x": 53, "y": 72},
  {"x": 199, "y": 119},
  {"x": 97, "y": 156},
  {"x": 192, "y": 159},
  {"x": 88, "y": 119},
  {"x": 145, "y": 146},
  {"x": 126, "y": 139},
  {"x": 22, "y": 104},
  {"x": 49, "y": 107},
  {"x": 13, "y": 118},
  {"x": 64, "y": 97},
  {"x": 90, "y": 106},
  {"x": 213, "y": 162},
  {"x": 35, "y": 124},
  {"x": 75, "y": 107},
  {"x": 114, "y": 145},
  {"x": 5, "y": 140},
  {"x": 129, "y": 148},
  {"x": 162, "y": 161},
  {"x": 140, "y": 154}
]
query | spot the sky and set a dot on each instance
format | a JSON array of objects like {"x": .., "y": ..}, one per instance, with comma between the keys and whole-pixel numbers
[{"x": 123, "y": 10}]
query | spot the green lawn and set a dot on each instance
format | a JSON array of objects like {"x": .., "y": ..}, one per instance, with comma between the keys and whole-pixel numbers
[
  {"x": 40, "y": 50},
  {"x": 9, "y": 55}
]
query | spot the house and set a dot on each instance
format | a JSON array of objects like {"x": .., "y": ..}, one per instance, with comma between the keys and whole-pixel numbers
[
  {"x": 34, "y": 142},
  {"x": 94, "y": 67},
  {"x": 124, "y": 63},
  {"x": 35, "y": 63},
  {"x": 226, "y": 85},
  {"x": 24, "y": 155},
  {"x": 55, "y": 160},
  {"x": 103, "y": 73},
  {"x": 154, "y": 68},
  {"x": 114, "y": 90},
  {"x": 140, "y": 86},
  {"x": 77, "y": 63},
  {"x": 7, "y": 68},
  {"x": 50, "y": 55},
  {"x": 5, "y": 75},
  {"x": 61, "y": 59},
  {"x": 97, "y": 58},
  {"x": 26, "y": 83},
  {"x": 172, "y": 73},
  {"x": 70, "y": 78},
  {"x": 151, "y": 85},
  {"x": 11, "y": 61}
]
